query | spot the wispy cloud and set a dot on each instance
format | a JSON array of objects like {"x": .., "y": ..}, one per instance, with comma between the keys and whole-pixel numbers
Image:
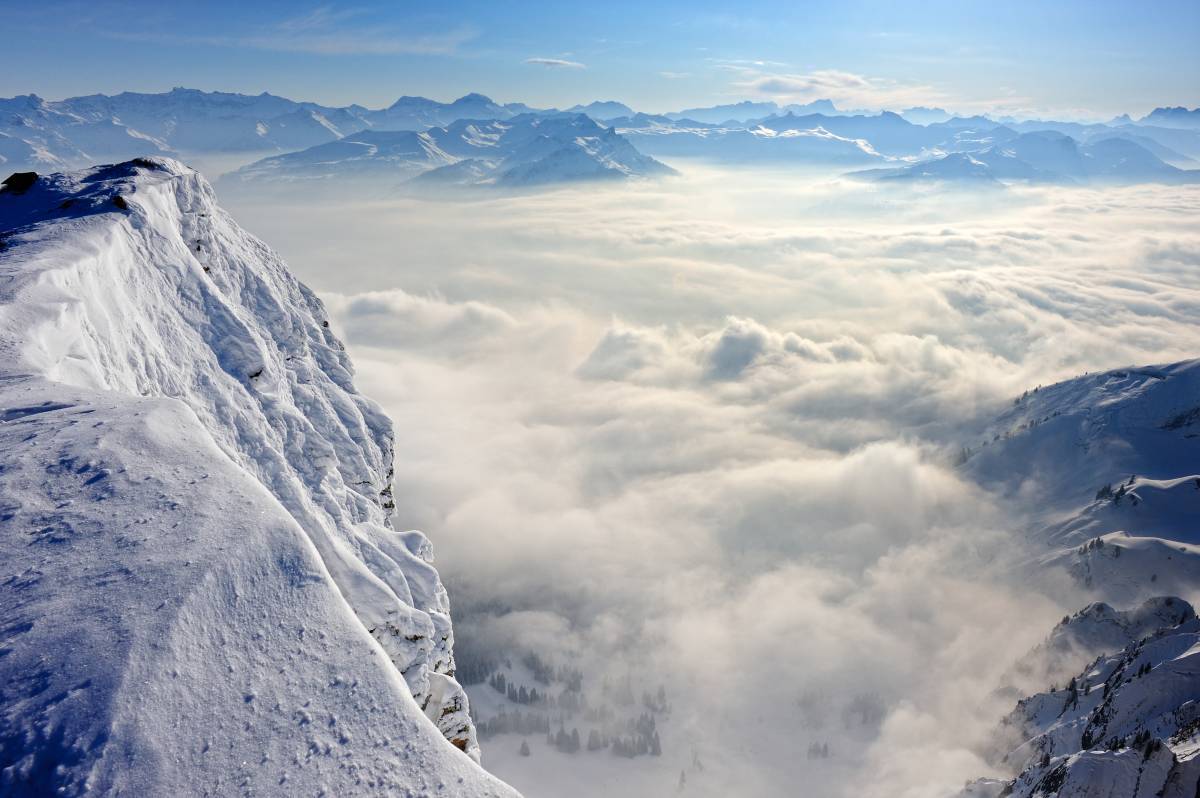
[
  {"x": 555, "y": 63},
  {"x": 746, "y": 63},
  {"x": 675, "y": 75},
  {"x": 321, "y": 31},
  {"x": 853, "y": 90},
  {"x": 844, "y": 88}
]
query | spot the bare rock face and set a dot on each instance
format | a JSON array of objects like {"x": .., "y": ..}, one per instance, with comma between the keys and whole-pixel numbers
[{"x": 18, "y": 182}]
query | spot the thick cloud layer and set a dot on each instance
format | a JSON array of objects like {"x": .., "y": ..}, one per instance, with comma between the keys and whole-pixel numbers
[{"x": 701, "y": 432}]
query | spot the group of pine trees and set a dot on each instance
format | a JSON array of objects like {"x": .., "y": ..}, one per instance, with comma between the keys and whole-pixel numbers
[
  {"x": 516, "y": 694},
  {"x": 637, "y": 745},
  {"x": 864, "y": 709},
  {"x": 1115, "y": 495},
  {"x": 513, "y": 723},
  {"x": 611, "y": 728},
  {"x": 636, "y": 737},
  {"x": 818, "y": 750}
]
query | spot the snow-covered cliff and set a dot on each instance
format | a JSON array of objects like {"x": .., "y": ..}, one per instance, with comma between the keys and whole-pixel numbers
[{"x": 201, "y": 592}]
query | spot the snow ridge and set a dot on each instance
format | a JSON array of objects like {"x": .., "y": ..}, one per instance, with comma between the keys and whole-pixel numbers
[{"x": 200, "y": 564}]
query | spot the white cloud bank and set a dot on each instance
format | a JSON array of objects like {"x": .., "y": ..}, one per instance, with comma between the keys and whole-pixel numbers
[{"x": 698, "y": 431}]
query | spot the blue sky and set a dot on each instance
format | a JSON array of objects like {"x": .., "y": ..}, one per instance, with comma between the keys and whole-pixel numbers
[{"x": 1070, "y": 58}]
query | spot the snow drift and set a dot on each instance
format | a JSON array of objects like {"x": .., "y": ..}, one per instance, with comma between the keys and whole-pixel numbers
[{"x": 202, "y": 591}]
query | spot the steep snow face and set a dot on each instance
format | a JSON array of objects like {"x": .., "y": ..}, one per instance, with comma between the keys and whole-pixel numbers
[
  {"x": 1104, "y": 468},
  {"x": 201, "y": 585}
]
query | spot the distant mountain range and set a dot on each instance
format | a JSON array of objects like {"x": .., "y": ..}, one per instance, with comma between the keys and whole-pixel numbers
[
  {"x": 1173, "y": 117},
  {"x": 525, "y": 150},
  {"x": 608, "y": 109},
  {"x": 665, "y": 137},
  {"x": 190, "y": 121},
  {"x": 1042, "y": 157},
  {"x": 747, "y": 110},
  {"x": 36, "y": 134}
]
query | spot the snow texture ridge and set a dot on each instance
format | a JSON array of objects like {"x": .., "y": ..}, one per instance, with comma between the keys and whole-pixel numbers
[{"x": 201, "y": 589}]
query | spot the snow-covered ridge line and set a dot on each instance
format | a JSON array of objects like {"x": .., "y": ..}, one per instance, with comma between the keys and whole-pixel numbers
[{"x": 195, "y": 506}]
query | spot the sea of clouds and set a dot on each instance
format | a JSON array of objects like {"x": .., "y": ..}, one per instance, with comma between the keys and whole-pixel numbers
[{"x": 703, "y": 431}]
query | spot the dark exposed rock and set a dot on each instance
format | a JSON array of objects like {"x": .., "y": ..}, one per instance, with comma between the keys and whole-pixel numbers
[{"x": 19, "y": 182}]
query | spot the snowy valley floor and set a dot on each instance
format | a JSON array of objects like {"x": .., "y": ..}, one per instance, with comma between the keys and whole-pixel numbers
[{"x": 705, "y": 433}]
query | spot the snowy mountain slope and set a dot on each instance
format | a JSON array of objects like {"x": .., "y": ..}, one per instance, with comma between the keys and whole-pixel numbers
[
  {"x": 747, "y": 111},
  {"x": 1173, "y": 117},
  {"x": 1102, "y": 160},
  {"x": 389, "y": 156},
  {"x": 1098, "y": 629},
  {"x": 527, "y": 150},
  {"x": 1124, "y": 724},
  {"x": 1168, "y": 143},
  {"x": 1103, "y": 471},
  {"x": 1105, "y": 468},
  {"x": 757, "y": 144},
  {"x": 602, "y": 110},
  {"x": 957, "y": 167},
  {"x": 80, "y": 130},
  {"x": 419, "y": 113},
  {"x": 43, "y": 135},
  {"x": 201, "y": 590},
  {"x": 1128, "y": 724},
  {"x": 1042, "y": 157},
  {"x": 888, "y": 133}
]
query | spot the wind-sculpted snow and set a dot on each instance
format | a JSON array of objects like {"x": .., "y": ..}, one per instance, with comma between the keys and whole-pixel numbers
[{"x": 202, "y": 593}]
